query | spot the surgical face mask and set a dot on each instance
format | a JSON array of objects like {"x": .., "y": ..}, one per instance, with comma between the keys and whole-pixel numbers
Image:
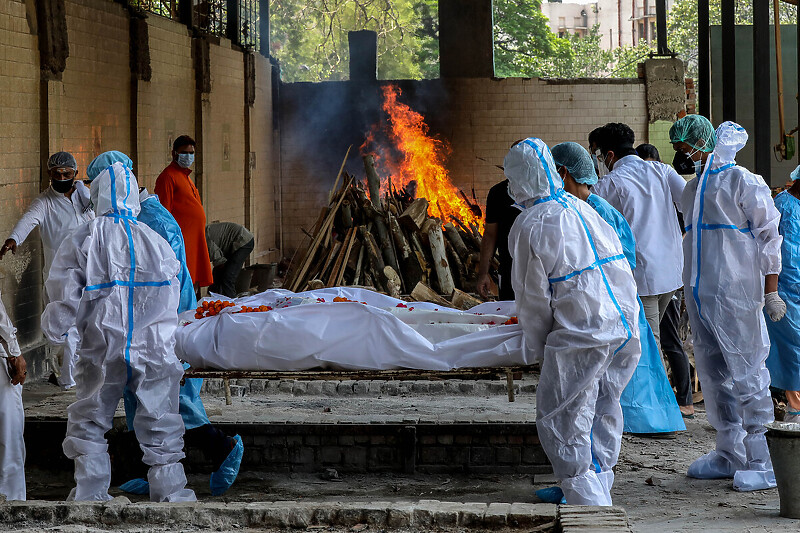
[
  {"x": 600, "y": 165},
  {"x": 685, "y": 165},
  {"x": 62, "y": 186},
  {"x": 185, "y": 160}
]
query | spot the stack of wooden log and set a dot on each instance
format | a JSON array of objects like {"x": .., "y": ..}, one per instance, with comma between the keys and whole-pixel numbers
[{"x": 389, "y": 244}]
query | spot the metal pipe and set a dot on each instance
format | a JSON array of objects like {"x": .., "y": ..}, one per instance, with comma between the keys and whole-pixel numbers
[
  {"x": 661, "y": 28},
  {"x": 703, "y": 59},
  {"x": 728, "y": 19},
  {"x": 776, "y": 4},
  {"x": 761, "y": 89}
]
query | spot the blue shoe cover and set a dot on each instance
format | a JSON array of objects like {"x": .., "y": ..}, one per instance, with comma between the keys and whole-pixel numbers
[
  {"x": 222, "y": 479},
  {"x": 749, "y": 480},
  {"x": 136, "y": 486},
  {"x": 551, "y": 495},
  {"x": 712, "y": 466}
]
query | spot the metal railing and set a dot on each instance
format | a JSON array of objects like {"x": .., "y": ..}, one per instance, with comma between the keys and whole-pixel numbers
[{"x": 214, "y": 17}]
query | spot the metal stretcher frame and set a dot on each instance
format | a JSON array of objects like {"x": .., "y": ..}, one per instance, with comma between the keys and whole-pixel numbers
[{"x": 511, "y": 373}]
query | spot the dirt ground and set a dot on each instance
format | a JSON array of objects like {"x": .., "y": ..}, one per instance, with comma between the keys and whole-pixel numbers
[{"x": 668, "y": 502}]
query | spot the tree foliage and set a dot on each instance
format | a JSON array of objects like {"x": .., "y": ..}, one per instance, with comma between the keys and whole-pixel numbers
[{"x": 309, "y": 37}]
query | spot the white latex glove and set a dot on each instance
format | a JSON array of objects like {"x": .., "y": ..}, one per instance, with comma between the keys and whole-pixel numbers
[{"x": 775, "y": 306}]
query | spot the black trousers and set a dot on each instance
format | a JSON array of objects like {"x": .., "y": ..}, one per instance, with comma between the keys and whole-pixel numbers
[
  {"x": 214, "y": 443},
  {"x": 673, "y": 350},
  {"x": 225, "y": 276}
]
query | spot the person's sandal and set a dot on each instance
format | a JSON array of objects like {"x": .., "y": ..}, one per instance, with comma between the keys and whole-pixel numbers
[{"x": 687, "y": 411}]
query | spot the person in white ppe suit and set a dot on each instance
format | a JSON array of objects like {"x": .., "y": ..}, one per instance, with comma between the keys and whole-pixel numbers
[
  {"x": 57, "y": 211},
  {"x": 577, "y": 307},
  {"x": 645, "y": 192},
  {"x": 12, "y": 415},
  {"x": 732, "y": 253},
  {"x": 117, "y": 279}
]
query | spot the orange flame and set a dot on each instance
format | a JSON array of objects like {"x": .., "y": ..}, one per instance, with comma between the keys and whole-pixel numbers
[{"x": 422, "y": 160}]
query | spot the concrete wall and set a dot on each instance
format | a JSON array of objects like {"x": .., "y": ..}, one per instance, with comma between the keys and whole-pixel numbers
[
  {"x": 479, "y": 117},
  {"x": 98, "y": 106}
]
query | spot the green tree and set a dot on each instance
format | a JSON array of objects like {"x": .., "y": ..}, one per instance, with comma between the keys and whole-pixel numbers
[
  {"x": 523, "y": 42},
  {"x": 309, "y": 37}
]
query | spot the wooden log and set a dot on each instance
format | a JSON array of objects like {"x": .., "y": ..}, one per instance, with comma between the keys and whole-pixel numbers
[
  {"x": 340, "y": 259},
  {"x": 346, "y": 215},
  {"x": 318, "y": 239},
  {"x": 393, "y": 281},
  {"x": 423, "y": 293},
  {"x": 339, "y": 175},
  {"x": 374, "y": 255},
  {"x": 373, "y": 182},
  {"x": 300, "y": 255},
  {"x": 358, "y": 270},
  {"x": 416, "y": 213},
  {"x": 348, "y": 253},
  {"x": 411, "y": 270},
  {"x": 462, "y": 300},
  {"x": 466, "y": 235},
  {"x": 385, "y": 243},
  {"x": 456, "y": 266},
  {"x": 440, "y": 263},
  {"x": 315, "y": 285},
  {"x": 455, "y": 239},
  {"x": 332, "y": 254}
]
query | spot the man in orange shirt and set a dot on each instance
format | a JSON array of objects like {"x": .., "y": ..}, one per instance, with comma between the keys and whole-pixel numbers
[{"x": 177, "y": 192}]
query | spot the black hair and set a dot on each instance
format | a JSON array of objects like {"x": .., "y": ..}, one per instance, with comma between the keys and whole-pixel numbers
[
  {"x": 614, "y": 137},
  {"x": 648, "y": 151},
  {"x": 183, "y": 140}
]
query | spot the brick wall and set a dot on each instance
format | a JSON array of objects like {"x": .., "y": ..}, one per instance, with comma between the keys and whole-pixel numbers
[
  {"x": 264, "y": 187},
  {"x": 90, "y": 109},
  {"x": 20, "y": 275},
  {"x": 480, "y": 118},
  {"x": 224, "y": 158},
  {"x": 93, "y": 109},
  {"x": 166, "y": 103}
]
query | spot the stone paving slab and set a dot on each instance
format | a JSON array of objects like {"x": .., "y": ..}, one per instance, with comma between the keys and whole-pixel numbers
[
  {"x": 120, "y": 512},
  {"x": 584, "y": 519}
]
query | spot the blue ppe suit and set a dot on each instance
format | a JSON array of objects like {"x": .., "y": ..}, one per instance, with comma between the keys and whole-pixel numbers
[
  {"x": 648, "y": 403},
  {"x": 162, "y": 222}
]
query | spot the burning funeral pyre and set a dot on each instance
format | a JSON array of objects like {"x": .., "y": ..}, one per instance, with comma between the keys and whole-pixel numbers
[{"x": 411, "y": 231}]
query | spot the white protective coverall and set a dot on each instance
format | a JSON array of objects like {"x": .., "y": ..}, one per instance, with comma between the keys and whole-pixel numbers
[
  {"x": 56, "y": 216},
  {"x": 12, "y": 417},
  {"x": 116, "y": 279},
  {"x": 732, "y": 242},
  {"x": 576, "y": 304}
]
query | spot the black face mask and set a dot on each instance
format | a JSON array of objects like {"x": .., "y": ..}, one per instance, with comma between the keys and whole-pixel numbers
[
  {"x": 682, "y": 163},
  {"x": 62, "y": 186}
]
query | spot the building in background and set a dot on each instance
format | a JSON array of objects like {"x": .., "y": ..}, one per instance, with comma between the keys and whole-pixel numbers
[{"x": 621, "y": 22}]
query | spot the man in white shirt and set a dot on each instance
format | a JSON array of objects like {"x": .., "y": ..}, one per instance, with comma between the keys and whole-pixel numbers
[
  {"x": 57, "y": 211},
  {"x": 646, "y": 193}
]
